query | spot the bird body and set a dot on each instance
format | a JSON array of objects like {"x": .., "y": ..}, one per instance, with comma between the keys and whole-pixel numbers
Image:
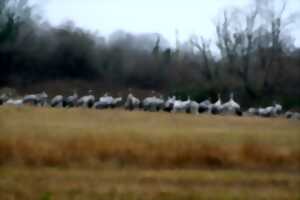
[
  {"x": 57, "y": 101},
  {"x": 14, "y": 102}
]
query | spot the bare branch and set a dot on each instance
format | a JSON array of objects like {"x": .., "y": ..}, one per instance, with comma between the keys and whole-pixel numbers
[{"x": 282, "y": 9}]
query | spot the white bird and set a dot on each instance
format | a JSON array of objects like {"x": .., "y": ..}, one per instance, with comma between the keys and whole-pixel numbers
[
  {"x": 117, "y": 102},
  {"x": 104, "y": 102},
  {"x": 132, "y": 102},
  {"x": 266, "y": 112},
  {"x": 181, "y": 106},
  {"x": 153, "y": 103},
  {"x": 232, "y": 107},
  {"x": 106, "y": 99},
  {"x": 57, "y": 101},
  {"x": 169, "y": 104},
  {"x": 36, "y": 99},
  {"x": 289, "y": 114},
  {"x": 3, "y": 99},
  {"x": 14, "y": 102},
  {"x": 205, "y": 106},
  {"x": 87, "y": 101},
  {"x": 277, "y": 108},
  {"x": 70, "y": 101},
  {"x": 253, "y": 111},
  {"x": 217, "y": 107},
  {"x": 296, "y": 116},
  {"x": 31, "y": 99},
  {"x": 193, "y": 107},
  {"x": 270, "y": 111}
]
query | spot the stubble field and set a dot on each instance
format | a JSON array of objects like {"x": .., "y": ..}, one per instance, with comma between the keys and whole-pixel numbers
[{"x": 88, "y": 154}]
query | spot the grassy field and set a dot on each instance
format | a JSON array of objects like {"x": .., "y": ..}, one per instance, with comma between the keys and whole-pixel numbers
[{"x": 114, "y": 154}]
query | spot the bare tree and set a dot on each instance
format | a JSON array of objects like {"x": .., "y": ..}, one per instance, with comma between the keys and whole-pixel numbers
[
  {"x": 245, "y": 36},
  {"x": 203, "y": 47}
]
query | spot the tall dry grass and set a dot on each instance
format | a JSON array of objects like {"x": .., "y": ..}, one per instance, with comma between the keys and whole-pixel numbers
[
  {"x": 53, "y": 183},
  {"x": 90, "y": 138}
]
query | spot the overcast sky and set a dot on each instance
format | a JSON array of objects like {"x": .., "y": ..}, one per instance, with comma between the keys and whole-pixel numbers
[{"x": 140, "y": 16}]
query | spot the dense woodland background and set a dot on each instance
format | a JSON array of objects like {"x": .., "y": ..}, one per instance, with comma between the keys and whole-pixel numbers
[{"x": 254, "y": 56}]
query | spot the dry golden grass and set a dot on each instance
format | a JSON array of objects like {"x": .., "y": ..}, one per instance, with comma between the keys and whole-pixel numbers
[
  {"x": 81, "y": 137},
  {"x": 52, "y": 183},
  {"x": 88, "y": 154}
]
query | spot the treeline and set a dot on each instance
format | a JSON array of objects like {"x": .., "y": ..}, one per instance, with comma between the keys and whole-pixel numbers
[{"x": 254, "y": 56}]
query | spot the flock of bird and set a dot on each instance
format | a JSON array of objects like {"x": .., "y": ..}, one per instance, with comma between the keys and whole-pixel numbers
[{"x": 153, "y": 103}]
